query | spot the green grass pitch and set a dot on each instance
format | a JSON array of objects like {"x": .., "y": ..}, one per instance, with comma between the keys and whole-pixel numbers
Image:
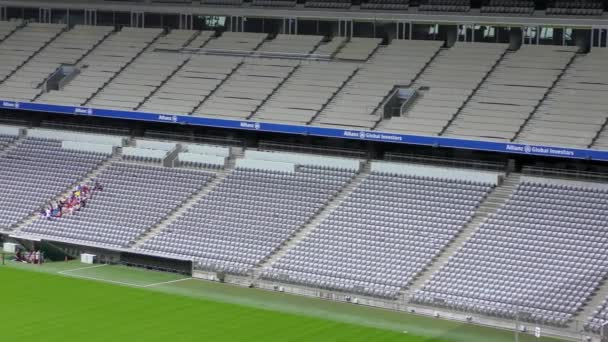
[{"x": 74, "y": 302}]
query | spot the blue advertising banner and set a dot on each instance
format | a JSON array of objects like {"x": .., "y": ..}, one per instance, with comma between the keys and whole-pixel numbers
[{"x": 502, "y": 147}]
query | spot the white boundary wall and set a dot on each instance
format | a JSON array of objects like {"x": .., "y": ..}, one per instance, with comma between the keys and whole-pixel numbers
[
  {"x": 305, "y": 159},
  {"x": 87, "y": 147},
  {"x": 144, "y": 152},
  {"x": 201, "y": 158},
  {"x": 10, "y": 130},
  {"x": 437, "y": 172},
  {"x": 54, "y": 134},
  {"x": 265, "y": 165},
  {"x": 155, "y": 145},
  {"x": 207, "y": 149}
]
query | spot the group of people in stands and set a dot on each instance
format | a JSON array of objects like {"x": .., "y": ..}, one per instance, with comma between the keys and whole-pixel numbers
[
  {"x": 33, "y": 257},
  {"x": 74, "y": 202}
]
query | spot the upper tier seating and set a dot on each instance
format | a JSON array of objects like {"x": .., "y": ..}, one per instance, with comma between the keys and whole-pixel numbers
[
  {"x": 9, "y": 27},
  {"x": 599, "y": 317},
  {"x": 239, "y": 41},
  {"x": 502, "y": 7},
  {"x": 101, "y": 65},
  {"x": 20, "y": 46},
  {"x": 135, "y": 83},
  {"x": 575, "y": 110},
  {"x": 382, "y": 235},
  {"x": 135, "y": 197},
  {"x": 578, "y": 7},
  {"x": 274, "y": 3},
  {"x": 68, "y": 48},
  {"x": 400, "y": 5},
  {"x": 190, "y": 86},
  {"x": 248, "y": 216},
  {"x": 448, "y": 82},
  {"x": 34, "y": 172},
  {"x": 247, "y": 88},
  {"x": 396, "y": 64},
  {"x": 446, "y": 6},
  {"x": 511, "y": 93},
  {"x": 306, "y": 91},
  {"x": 296, "y": 44},
  {"x": 542, "y": 253},
  {"x": 344, "y": 4}
]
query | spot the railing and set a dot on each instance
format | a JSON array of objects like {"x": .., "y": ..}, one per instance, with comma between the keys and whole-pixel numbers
[
  {"x": 464, "y": 163},
  {"x": 330, "y": 151},
  {"x": 250, "y": 54},
  {"x": 570, "y": 174},
  {"x": 86, "y": 128}
]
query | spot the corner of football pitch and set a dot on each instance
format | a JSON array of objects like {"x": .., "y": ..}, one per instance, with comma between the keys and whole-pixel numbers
[{"x": 69, "y": 301}]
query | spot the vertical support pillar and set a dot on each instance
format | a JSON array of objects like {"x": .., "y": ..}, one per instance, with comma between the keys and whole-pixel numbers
[
  {"x": 137, "y": 19},
  {"x": 186, "y": 21},
  {"x": 44, "y": 15},
  {"x": 3, "y": 15}
]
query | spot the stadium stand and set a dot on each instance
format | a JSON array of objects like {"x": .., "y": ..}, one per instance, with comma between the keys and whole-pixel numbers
[
  {"x": 19, "y": 47},
  {"x": 202, "y": 38},
  {"x": 177, "y": 39},
  {"x": 444, "y": 86},
  {"x": 274, "y": 3},
  {"x": 399, "y": 5},
  {"x": 102, "y": 65},
  {"x": 247, "y": 88},
  {"x": 599, "y": 318},
  {"x": 135, "y": 197},
  {"x": 239, "y": 41},
  {"x": 541, "y": 254},
  {"x": 511, "y": 92},
  {"x": 356, "y": 102},
  {"x": 192, "y": 84},
  {"x": 579, "y": 7},
  {"x": 26, "y": 84},
  {"x": 306, "y": 92},
  {"x": 445, "y": 6},
  {"x": 253, "y": 210},
  {"x": 577, "y": 91},
  {"x": 502, "y": 7},
  {"x": 35, "y": 170},
  {"x": 291, "y": 44},
  {"x": 386, "y": 231},
  {"x": 9, "y": 27},
  {"x": 222, "y": 2},
  {"x": 344, "y": 4}
]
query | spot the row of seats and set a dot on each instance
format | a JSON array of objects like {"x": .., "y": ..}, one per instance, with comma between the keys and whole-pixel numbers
[
  {"x": 574, "y": 111},
  {"x": 541, "y": 254},
  {"x": 511, "y": 93},
  {"x": 101, "y": 66},
  {"x": 381, "y": 236},
  {"x": 67, "y": 49}
]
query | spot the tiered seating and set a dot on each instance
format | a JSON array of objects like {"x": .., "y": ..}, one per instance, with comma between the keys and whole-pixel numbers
[
  {"x": 542, "y": 254},
  {"x": 396, "y": 64},
  {"x": 222, "y": 2},
  {"x": 402, "y": 5},
  {"x": 446, "y": 84},
  {"x": 382, "y": 235},
  {"x": 511, "y": 92},
  {"x": 575, "y": 109},
  {"x": 296, "y": 44},
  {"x": 331, "y": 47},
  {"x": 68, "y": 48},
  {"x": 8, "y": 135},
  {"x": 201, "y": 40},
  {"x": 599, "y": 317},
  {"x": 19, "y": 47},
  {"x": 274, "y": 3},
  {"x": 35, "y": 171},
  {"x": 248, "y": 216},
  {"x": 446, "y": 6},
  {"x": 102, "y": 64},
  {"x": 508, "y": 7},
  {"x": 240, "y": 41},
  {"x": 578, "y": 7},
  {"x": 8, "y": 27},
  {"x": 308, "y": 89},
  {"x": 358, "y": 49},
  {"x": 247, "y": 88},
  {"x": 135, "y": 83},
  {"x": 191, "y": 85},
  {"x": 344, "y": 4},
  {"x": 135, "y": 197},
  {"x": 176, "y": 39}
]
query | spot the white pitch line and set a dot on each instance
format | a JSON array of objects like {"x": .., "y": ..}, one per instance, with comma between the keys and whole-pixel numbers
[
  {"x": 81, "y": 268},
  {"x": 167, "y": 282},
  {"x": 103, "y": 280}
]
